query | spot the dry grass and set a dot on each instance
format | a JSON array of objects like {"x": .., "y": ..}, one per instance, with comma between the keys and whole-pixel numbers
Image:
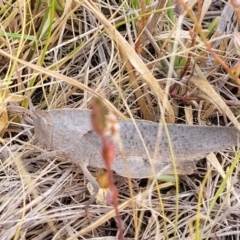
[{"x": 65, "y": 53}]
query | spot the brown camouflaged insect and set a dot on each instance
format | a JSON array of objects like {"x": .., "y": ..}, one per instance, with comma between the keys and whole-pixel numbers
[{"x": 70, "y": 131}]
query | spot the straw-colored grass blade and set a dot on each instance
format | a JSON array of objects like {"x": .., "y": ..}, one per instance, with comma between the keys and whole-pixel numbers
[
  {"x": 207, "y": 89},
  {"x": 128, "y": 52}
]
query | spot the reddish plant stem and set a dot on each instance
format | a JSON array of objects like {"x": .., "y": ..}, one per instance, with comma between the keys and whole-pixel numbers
[
  {"x": 186, "y": 67},
  {"x": 108, "y": 153}
]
